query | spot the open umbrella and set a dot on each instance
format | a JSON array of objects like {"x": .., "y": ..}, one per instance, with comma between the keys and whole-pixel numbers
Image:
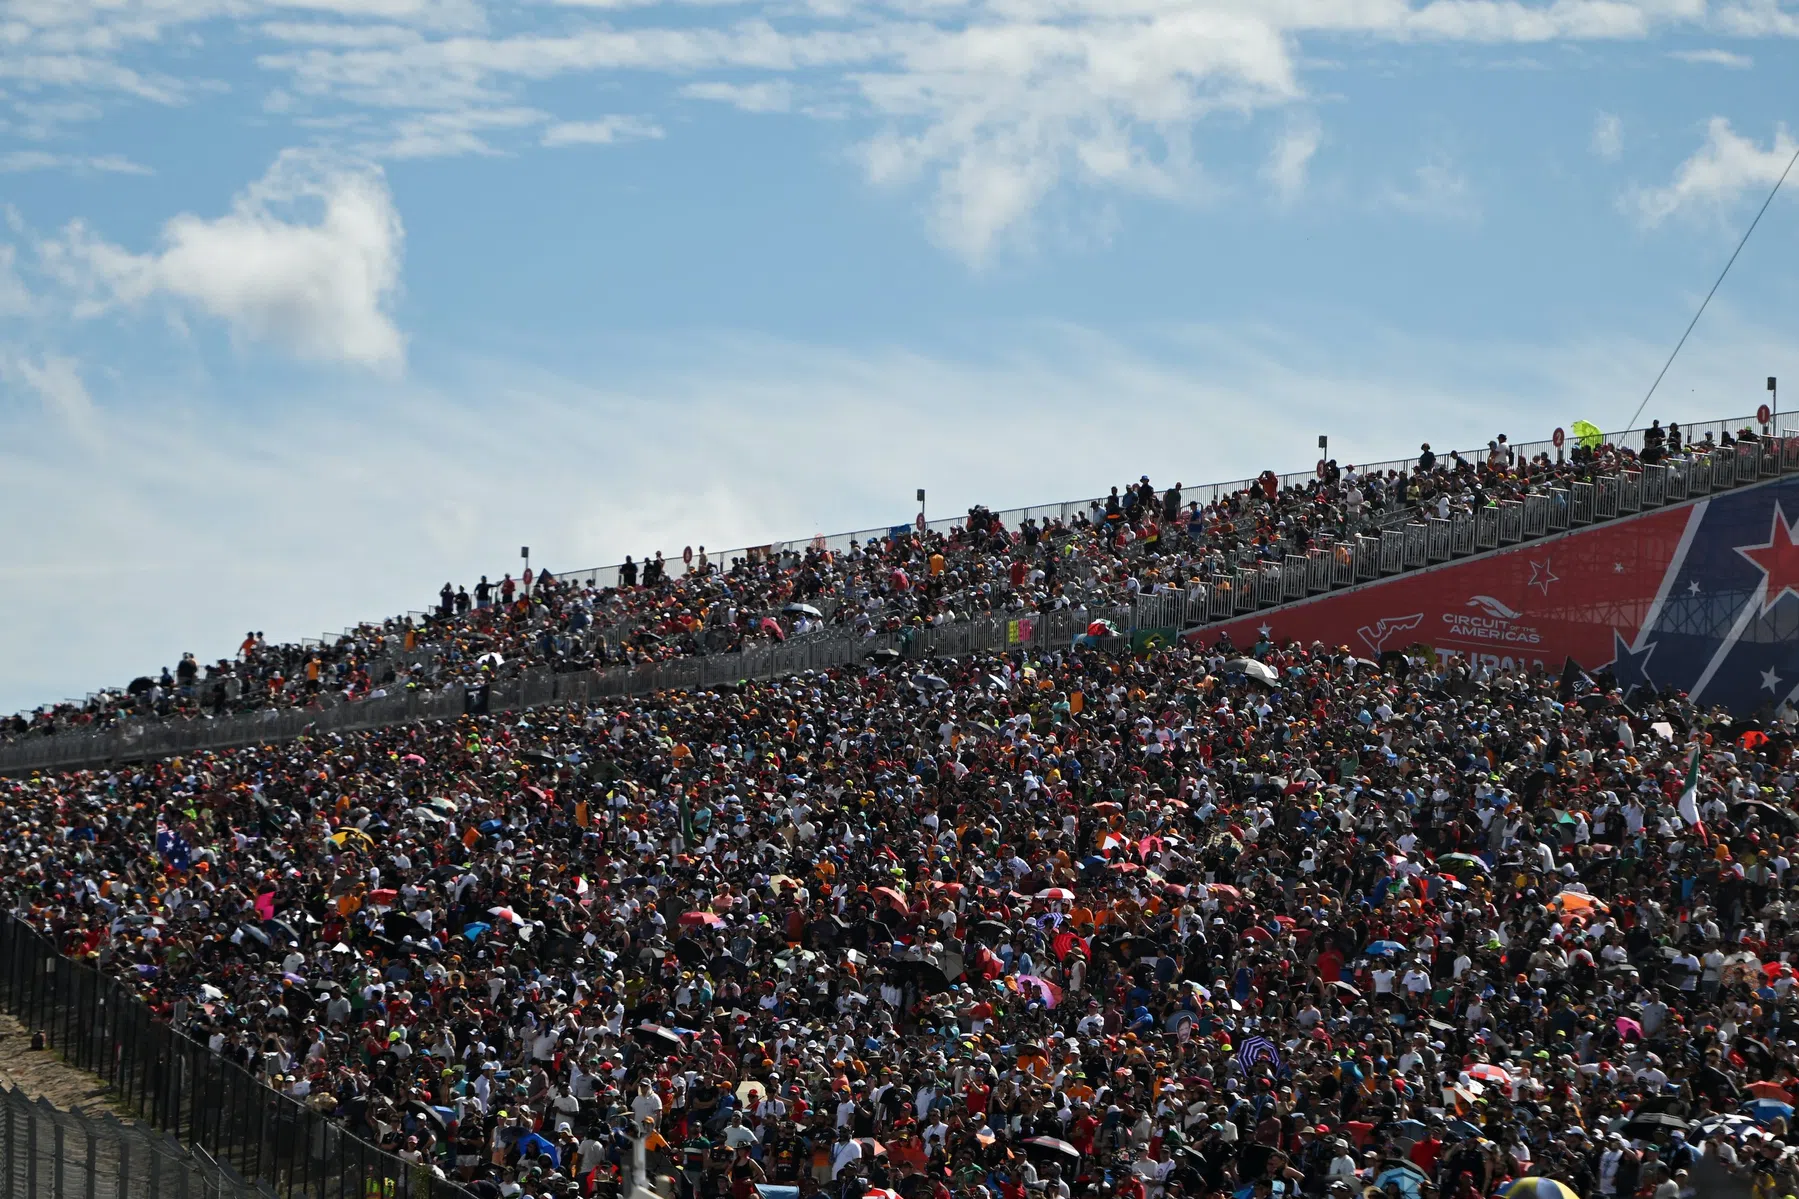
[
  {"x": 656, "y": 1034},
  {"x": 1347, "y": 989},
  {"x": 1533, "y": 1187},
  {"x": 891, "y": 896},
  {"x": 1770, "y": 1090},
  {"x": 1460, "y": 864},
  {"x": 1766, "y": 1111},
  {"x": 929, "y": 978},
  {"x": 398, "y": 925},
  {"x": 690, "y": 952},
  {"x": 1051, "y": 1149},
  {"x": 506, "y": 914},
  {"x": 870, "y": 1147},
  {"x": 1643, "y": 1124},
  {"x": 698, "y": 919},
  {"x": 1487, "y": 1072},
  {"x": 1592, "y": 437},
  {"x": 429, "y": 1114},
  {"x": 1061, "y": 893},
  {"x": 1383, "y": 949},
  {"x": 1720, "y": 1125},
  {"x": 802, "y": 610},
  {"x": 1048, "y": 991},
  {"x": 1261, "y": 672},
  {"x": 256, "y": 934},
  {"x": 885, "y": 657},
  {"x": 1403, "y": 1175}
]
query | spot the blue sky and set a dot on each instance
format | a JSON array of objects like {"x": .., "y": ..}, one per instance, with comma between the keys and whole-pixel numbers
[{"x": 306, "y": 307}]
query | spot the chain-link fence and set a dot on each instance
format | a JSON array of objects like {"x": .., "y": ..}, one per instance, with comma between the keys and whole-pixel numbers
[
  {"x": 183, "y": 1090},
  {"x": 46, "y": 1153}
]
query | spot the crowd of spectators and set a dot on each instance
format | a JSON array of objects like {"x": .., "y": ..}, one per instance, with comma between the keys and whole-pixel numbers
[
  {"x": 1136, "y": 540},
  {"x": 1064, "y": 926}
]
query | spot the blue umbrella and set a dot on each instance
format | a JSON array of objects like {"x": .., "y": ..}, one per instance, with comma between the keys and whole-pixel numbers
[
  {"x": 1384, "y": 949},
  {"x": 1766, "y": 1111},
  {"x": 1407, "y": 1178},
  {"x": 1462, "y": 1128},
  {"x": 474, "y": 929},
  {"x": 1410, "y": 1128}
]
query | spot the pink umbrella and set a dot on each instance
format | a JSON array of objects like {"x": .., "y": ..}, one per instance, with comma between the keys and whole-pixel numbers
[
  {"x": 1051, "y": 993},
  {"x": 1629, "y": 1029}
]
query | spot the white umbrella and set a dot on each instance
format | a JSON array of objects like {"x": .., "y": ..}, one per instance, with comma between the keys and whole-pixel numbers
[{"x": 1259, "y": 671}]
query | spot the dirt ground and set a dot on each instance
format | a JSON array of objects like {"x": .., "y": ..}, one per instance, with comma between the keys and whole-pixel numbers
[{"x": 40, "y": 1073}]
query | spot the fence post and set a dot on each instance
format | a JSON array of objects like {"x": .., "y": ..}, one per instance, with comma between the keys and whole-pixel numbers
[
  {"x": 93, "y": 1185},
  {"x": 31, "y": 1153}
]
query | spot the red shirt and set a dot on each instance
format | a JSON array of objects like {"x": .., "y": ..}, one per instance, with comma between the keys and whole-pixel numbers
[{"x": 1080, "y": 1133}]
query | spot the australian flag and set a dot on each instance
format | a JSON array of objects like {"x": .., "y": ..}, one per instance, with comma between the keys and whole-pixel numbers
[{"x": 173, "y": 847}]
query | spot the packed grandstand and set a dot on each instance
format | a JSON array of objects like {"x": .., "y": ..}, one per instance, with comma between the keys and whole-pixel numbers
[
  {"x": 1092, "y": 920},
  {"x": 1138, "y": 540}
]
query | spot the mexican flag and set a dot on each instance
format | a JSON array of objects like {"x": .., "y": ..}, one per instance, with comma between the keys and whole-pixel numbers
[{"x": 1689, "y": 794}]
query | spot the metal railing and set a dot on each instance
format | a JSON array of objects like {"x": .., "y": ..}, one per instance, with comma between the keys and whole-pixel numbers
[
  {"x": 1206, "y": 494},
  {"x": 184, "y": 1090},
  {"x": 1393, "y": 551},
  {"x": 146, "y": 740},
  {"x": 47, "y": 1153}
]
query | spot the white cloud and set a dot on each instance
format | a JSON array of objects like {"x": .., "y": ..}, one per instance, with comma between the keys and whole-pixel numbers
[
  {"x": 1291, "y": 159},
  {"x": 1720, "y": 171},
  {"x": 309, "y": 468},
  {"x": 1608, "y": 136},
  {"x": 1715, "y": 58},
  {"x": 320, "y": 288},
  {"x": 447, "y": 134},
  {"x": 15, "y": 297},
  {"x": 17, "y": 161},
  {"x": 1436, "y": 190},
  {"x": 57, "y": 382},
  {"x": 774, "y": 95},
  {"x": 606, "y": 131},
  {"x": 987, "y": 107}
]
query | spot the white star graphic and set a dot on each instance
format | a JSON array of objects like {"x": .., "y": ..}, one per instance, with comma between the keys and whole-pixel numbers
[
  {"x": 1617, "y": 568},
  {"x": 1541, "y": 576},
  {"x": 1266, "y": 630},
  {"x": 1770, "y": 680},
  {"x": 1693, "y": 587}
]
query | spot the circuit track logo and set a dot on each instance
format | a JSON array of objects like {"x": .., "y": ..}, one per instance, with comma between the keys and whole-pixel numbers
[{"x": 1376, "y": 637}]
